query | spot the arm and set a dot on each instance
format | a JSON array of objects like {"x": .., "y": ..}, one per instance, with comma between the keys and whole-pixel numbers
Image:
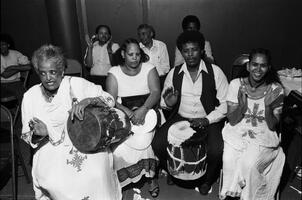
[
  {"x": 111, "y": 49},
  {"x": 164, "y": 59},
  {"x": 13, "y": 69},
  {"x": 88, "y": 59}
]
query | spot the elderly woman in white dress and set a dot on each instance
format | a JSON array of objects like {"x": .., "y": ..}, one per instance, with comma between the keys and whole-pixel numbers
[
  {"x": 59, "y": 170},
  {"x": 253, "y": 159},
  {"x": 135, "y": 86}
]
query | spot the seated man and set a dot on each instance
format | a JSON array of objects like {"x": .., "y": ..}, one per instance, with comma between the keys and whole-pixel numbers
[
  {"x": 192, "y": 23},
  {"x": 195, "y": 91},
  {"x": 155, "y": 49},
  {"x": 12, "y": 63},
  {"x": 98, "y": 57}
]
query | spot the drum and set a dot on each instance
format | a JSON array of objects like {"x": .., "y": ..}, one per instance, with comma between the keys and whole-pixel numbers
[
  {"x": 186, "y": 152},
  {"x": 102, "y": 127}
]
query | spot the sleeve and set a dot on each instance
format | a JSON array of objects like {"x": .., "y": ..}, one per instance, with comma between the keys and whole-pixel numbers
[
  {"x": 168, "y": 83},
  {"x": 222, "y": 85},
  {"x": 233, "y": 91},
  {"x": 26, "y": 113},
  {"x": 115, "y": 47},
  {"x": 178, "y": 60},
  {"x": 164, "y": 61}
]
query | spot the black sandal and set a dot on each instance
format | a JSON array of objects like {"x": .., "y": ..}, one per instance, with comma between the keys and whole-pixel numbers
[{"x": 154, "y": 188}]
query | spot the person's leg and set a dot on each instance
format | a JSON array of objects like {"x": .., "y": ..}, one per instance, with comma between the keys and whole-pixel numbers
[{"x": 214, "y": 156}]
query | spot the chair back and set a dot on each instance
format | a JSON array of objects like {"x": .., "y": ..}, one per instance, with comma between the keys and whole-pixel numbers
[
  {"x": 73, "y": 68},
  {"x": 7, "y": 124},
  {"x": 25, "y": 77},
  {"x": 239, "y": 66}
]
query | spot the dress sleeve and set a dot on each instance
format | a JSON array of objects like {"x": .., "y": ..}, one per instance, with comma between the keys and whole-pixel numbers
[{"x": 232, "y": 95}]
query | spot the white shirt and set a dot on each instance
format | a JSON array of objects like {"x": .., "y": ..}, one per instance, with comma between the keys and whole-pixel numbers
[
  {"x": 158, "y": 55},
  {"x": 13, "y": 58},
  {"x": 100, "y": 59},
  {"x": 180, "y": 60},
  {"x": 190, "y": 105}
]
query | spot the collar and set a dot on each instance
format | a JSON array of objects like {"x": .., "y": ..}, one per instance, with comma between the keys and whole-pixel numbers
[{"x": 202, "y": 67}]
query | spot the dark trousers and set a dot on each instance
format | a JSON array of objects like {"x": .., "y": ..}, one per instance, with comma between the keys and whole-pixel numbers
[{"x": 214, "y": 147}]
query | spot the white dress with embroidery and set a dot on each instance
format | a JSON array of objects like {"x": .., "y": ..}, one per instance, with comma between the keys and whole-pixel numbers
[
  {"x": 252, "y": 158},
  {"x": 60, "y": 171}
]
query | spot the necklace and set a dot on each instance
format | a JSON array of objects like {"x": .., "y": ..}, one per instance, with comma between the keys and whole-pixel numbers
[{"x": 253, "y": 88}]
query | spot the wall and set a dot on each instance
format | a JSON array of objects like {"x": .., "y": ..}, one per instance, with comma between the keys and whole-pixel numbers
[{"x": 232, "y": 26}]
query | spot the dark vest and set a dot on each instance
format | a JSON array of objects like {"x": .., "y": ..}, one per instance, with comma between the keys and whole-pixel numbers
[{"x": 208, "y": 96}]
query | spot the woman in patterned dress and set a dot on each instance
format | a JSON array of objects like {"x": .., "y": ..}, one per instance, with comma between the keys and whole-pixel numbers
[
  {"x": 59, "y": 170},
  {"x": 253, "y": 159}
]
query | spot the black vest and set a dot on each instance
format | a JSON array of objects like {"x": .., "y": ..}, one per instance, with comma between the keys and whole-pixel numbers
[{"x": 208, "y": 96}]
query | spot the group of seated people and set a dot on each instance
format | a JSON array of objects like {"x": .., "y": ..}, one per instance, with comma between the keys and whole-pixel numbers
[{"x": 236, "y": 122}]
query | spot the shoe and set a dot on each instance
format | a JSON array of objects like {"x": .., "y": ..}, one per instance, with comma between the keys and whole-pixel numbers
[
  {"x": 205, "y": 189},
  {"x": 154, "y": 188},
  {"x": 169, "y": 180}
]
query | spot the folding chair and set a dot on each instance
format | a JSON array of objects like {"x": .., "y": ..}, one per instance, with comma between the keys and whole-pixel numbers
[
  {"x": 15, "y": 153},
  {"x": 74, "y": 68}
]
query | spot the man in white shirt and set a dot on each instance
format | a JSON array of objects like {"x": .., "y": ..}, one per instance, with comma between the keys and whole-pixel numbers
[
  {"x": 192, "y": 23},
  {"x": 196, "y": 92},
  {"x": 98, "y": 57},
  {"x": 12, "y": 63},
  {"x": 155, "y": 49}
]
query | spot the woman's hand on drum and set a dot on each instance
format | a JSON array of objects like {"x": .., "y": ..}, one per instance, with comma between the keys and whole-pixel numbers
[
  {"x": 38, "y": 127},
  {"x": 139, "y": 115},
  {"x": 170, "y": 96},
  {"x": 199, "y": 122},
  {"x": 79, "y": 108}
]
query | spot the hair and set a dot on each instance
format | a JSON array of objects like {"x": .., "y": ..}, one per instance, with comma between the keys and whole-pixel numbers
[
  {"x": 8, "y": 40},
  {"x": 190, "y": 36},
  {"x": 147, "y": 26},
  {"x": 119, "y": 60},
  {"x": 102, "y": 26},
  {"x": 271, "y": 75},
  {"x": 190, "y": 19},
  {"x": 51, "y": 53}
]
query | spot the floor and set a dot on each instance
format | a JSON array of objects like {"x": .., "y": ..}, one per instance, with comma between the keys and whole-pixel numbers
[{"x": 167, "y": 192}]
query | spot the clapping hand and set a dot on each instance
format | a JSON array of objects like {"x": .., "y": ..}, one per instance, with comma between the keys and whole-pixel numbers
[
  {"x": 90, "y": 41},
  {"x": 170, "y": 96},
  {"x": 274, "y": 98},
  {"x": 242, "y": 97}
]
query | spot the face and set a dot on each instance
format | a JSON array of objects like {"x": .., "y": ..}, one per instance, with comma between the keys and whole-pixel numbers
[
  {"x": 258, "y": 67},
  {"x": 191, "y": 52},
  {"x": 50, "y": 75},
  {"x": 191, "y": 27},
  {"x": 145, "y": 36},
  {"x": 103, "y": 35},
  {"x": 4, "y": 48},
  {"x": 132, "y": 55}
]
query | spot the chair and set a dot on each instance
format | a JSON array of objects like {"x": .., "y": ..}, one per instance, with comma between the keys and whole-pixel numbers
[
  {"x": 74, "y": 68},
  {"x": 11, "y": 98},
  {"x": 239, "y": 66},
  {"x": 7, "y": 131}
]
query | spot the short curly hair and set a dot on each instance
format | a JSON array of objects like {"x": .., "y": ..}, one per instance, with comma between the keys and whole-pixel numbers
[{"x": 190, "y": 36}]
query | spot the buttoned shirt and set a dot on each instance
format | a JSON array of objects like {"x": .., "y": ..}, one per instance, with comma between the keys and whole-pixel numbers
[
  {"x": 158, "y": 56},
  {"x": 100, "y": 58},
  {"x": 180, "y": 60},
  {"x": 13, "y": 58},
  {"x": 190, "y": 104}
]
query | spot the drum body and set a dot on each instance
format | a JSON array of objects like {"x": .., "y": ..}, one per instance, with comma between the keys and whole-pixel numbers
[
  {"x": 102, "y": 127},
  {"x": 186, "y": 152}
]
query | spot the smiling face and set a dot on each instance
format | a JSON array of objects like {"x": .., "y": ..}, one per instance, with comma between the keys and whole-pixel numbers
[
  {"x": 50, "y": 75},
  {"x": 258, "y": 67},
  {"x": 192, "y": 54},
  {"x": 132, "y": 55}
]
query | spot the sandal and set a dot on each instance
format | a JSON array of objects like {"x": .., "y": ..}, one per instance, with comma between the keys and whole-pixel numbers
[{"x": 154, "y": 188}]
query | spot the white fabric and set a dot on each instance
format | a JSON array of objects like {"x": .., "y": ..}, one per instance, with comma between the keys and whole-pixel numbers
[
  {"x": 13, "y": 58},
  {"x": 190, "y": 105},
  {"x": 100, "y": 59},
  {"x": 179, "y": 132},
  {"x": 60, "y": 171},
  {"x": 132, "y": 85},
  {"x": 158, "y": 56},
  {"x": 180, "y": 60},
  {"x": 129, "y": 155},
  {"x": 252, "y": 158}
]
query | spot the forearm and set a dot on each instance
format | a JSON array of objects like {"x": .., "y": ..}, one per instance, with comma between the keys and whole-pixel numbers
[
  {"x": 237, "y": 115},
  {"x": 110, "y": 55},
  {"x": 152, "y": 100},
  {"x": 88, "y": 58},
  {"x": 128, "y": 112},
  {"x": 270, "y": 118},
  {"x": 8, "y": 72}
]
